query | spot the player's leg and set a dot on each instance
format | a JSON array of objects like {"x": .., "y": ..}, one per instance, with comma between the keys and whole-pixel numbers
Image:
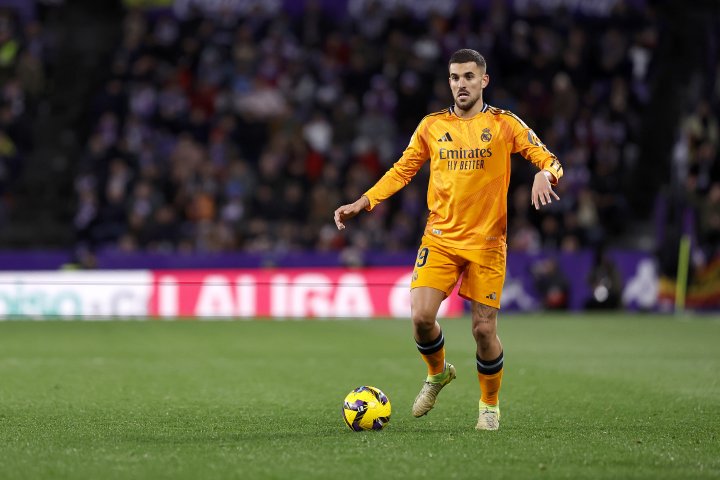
[
  {"x": 482, "y": 284},
  {"x": 489, "y": 360},
  {"x": 489, "y": 349},
  {"x": 425, "y": 303},
  {"x": 433, "y": 279}
]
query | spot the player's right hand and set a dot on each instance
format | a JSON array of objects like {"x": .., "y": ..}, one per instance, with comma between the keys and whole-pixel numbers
[{"x": 349, "y": 211}]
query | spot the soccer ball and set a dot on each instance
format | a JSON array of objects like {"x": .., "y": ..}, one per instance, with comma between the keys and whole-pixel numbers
[{"x": 366, "y": 408}]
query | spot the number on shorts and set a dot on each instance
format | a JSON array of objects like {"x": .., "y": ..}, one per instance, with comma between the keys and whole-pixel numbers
[{"x": 422, "y": 257}]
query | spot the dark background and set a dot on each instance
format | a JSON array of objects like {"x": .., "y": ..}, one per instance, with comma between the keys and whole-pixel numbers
[{"x": 193, "y": 131}]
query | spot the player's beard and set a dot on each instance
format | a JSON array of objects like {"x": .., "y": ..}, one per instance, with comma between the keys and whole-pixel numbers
[{"x": 467, "y": 106}]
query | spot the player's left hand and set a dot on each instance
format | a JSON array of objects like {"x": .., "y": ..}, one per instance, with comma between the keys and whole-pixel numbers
[{"x": 542, "y": 192}]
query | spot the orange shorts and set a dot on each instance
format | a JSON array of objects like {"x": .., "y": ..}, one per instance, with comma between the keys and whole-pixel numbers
[{"x": 440, "y": 267}]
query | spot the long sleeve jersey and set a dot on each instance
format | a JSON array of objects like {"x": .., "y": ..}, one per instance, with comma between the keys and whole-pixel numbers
[{"x": 469, "y": 173}]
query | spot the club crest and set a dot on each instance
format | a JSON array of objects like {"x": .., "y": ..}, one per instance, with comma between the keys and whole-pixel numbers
[{"x": 486, "y": 136}]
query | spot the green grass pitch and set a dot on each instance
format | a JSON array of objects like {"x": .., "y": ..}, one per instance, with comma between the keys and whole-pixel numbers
[{"x": 608, "y": 396}]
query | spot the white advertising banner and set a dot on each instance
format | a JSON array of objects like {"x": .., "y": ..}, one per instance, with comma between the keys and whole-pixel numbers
[{"x": 71, "y": 294}]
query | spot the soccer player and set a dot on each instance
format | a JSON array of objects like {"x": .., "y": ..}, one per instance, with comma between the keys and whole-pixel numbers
[{"x": 469, "y": 146}]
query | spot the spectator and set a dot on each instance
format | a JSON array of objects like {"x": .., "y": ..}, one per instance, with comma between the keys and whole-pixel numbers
[{"x": 316, "y": 107}]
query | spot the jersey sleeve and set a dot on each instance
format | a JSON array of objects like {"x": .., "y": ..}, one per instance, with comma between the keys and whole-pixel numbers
[
  {"x": 400, "y": 174},
  {"x": 527, "y": 144}
]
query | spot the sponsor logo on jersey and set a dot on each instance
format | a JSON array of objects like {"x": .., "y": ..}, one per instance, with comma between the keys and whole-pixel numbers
[
  {"x": 465, "y": 158},
  {"x": 463, "y": 153}
]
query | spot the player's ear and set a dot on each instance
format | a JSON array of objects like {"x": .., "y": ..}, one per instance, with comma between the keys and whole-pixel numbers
[{"x": 485, "y": 80}]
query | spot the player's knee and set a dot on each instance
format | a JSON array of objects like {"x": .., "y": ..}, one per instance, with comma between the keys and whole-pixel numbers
[
  {"x": 484, "y": 328},
  {"x": 423, "y": 319}
]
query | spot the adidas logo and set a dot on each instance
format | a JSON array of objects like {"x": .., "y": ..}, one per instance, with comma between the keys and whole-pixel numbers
[
  {"x": 445, "y": 138},
  {"x": 492, "y": 296}
]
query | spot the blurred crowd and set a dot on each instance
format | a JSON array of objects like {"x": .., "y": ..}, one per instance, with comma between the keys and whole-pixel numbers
[
  {"x": 22, "y": 82},
  {"x": 692, "y": 206},
  {"x": 246, "y": 132}
]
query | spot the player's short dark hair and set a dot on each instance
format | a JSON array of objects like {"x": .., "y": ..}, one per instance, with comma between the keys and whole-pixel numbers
[{"x": 465, "y": 55}]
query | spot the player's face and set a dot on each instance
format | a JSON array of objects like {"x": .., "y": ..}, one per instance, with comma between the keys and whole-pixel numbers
[{"x": 467, "y": 81}]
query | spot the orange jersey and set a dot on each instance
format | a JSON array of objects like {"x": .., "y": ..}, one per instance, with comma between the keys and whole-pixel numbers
[{"x": 469, "y": 173}]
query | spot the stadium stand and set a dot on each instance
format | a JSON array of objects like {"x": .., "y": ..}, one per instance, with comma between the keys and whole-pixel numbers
[
  {"x": 213, "y": 135},
  {"x": 55, "y": 63},
  {"x": 22, "y": 83},
  {"x": 241, "y": 130}
]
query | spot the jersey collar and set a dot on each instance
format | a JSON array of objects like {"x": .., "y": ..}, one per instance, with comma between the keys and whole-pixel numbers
[{"x": 482, "y": 110}]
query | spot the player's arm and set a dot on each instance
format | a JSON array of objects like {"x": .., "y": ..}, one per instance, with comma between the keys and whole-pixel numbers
[
  {"x": 529, "y": 146},
  {"x": 395, "y": 178}
]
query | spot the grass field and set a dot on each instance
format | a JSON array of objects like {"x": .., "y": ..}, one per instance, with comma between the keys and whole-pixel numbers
[{"x": 615, "y": 397}]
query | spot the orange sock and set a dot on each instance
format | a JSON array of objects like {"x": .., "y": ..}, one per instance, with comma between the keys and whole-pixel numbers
[
  {"x": 490, "y": 387},
  {"x": 433, "y": 353},
  {"x": 490, "y": 374},
  {"x": 435, "y": 362}
]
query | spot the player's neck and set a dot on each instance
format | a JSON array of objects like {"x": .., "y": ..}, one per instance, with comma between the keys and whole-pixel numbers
[{"x": 477, "y": 108}]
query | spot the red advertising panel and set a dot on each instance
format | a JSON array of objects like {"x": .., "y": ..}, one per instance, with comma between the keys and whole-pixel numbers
[{"x": 287, "y": 293}]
